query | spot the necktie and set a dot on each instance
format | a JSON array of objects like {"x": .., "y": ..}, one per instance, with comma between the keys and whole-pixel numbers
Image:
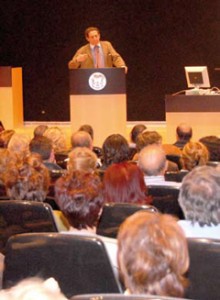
[{"x": 98, "y": 56}]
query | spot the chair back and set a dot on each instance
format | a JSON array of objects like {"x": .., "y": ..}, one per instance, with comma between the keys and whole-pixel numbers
[
  {"x": 24, "y": 216},
  {"x": 79, "y": 263},
  {"x": 114, "y": 214},
  {"x": 204, "y": 270},
  {"x": 123, "y": 297},
  {"x": 165, "y": 199}
]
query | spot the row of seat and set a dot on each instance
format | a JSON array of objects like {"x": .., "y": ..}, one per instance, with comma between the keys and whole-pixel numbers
[{"x": 81, "y": 265}]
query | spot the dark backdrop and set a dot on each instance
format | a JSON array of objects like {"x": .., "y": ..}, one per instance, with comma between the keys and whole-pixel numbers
[{"x": 157, "y": 38}]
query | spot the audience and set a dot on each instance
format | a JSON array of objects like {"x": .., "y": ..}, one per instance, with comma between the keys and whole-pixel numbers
[
  {"x": 183, "y": 135},
  {"x": 19, "y": 145},
  {"x": 213, "y": 145},
  {"x": 33, "y": 289},
  {"x": 124, "y": 183},
  {"x": 39, "y": 130},
  {"x": 199, "y": 199},
  {"x": 194, "y": 154},
  {"x": 152, "y": 161},
  {"x": 136, "y": 130},
  {"x": 57, "y": 136},
  {"x": 80, "y": 197},
  {"x": 81, "y": 139},
  {"x": 5, "y": 137},
  {"x": 153, "y": 255},
  {"x": 115, "y": 150}
]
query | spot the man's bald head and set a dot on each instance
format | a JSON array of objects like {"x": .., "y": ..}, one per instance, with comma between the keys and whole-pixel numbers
[
  {"x": 81, "y": 139},
  {"x": 152, "y": 160},
  {"x": 184, "y": 132}
]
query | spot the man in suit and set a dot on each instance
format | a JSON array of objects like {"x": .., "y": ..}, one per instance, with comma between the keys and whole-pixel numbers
[{"x": 96, "y": 54}]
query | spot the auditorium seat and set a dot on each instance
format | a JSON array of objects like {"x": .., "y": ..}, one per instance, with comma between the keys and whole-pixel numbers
[
  {"x": 114, "y": 214},
  {"x": 24, "y": 216},
  {"x": 79, "y": 263},
  {"x": 204, "y": 269},
  {"x": 122, "y": 297}
]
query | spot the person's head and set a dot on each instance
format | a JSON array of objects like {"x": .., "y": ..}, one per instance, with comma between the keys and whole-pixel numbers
[
  {"x": 184, "y": 132},
  {"x": 152, "y": 160},
  {"x": 43, "y": 146},
  {"x": 33, "y": 289},
  {"x": 39, "y": 130},
  {"x": 19, "y": 144},
  {"x": 5, "y": 137},
  {"x": 194, "y": 154},
  {"x": 80, "y": 198},
  {"x": 82, "y": 159},
  {"x": 148, "y": 138},
  {"x": 153, "y": 254},
  {"x": 57, "y": 136},
  {"x": 199, "y": 196},
  {"x": 136, "y": 130},
  {"x": 81, "y": 139},
  {"x": 124, "y": 182},
  {"x": 6, "y": 158},
  {"x": 27, "y": 179},
  {"x": 92, "y": 35},
  {"x": 87, "y": 128},
  {"x": 213, "y": 145},
  {"x": 115, "y": 149}
]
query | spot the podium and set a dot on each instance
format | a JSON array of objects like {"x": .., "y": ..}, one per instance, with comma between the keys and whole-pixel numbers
[
  {"x": 98, "y": 98},
  {"x": 11, "y": 97},
  {"x": 202, "y": 112}
]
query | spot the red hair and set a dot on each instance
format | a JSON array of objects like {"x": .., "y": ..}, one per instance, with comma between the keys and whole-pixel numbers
[{"x": 124, "y": 182}]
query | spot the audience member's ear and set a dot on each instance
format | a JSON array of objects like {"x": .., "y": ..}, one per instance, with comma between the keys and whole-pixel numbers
[{"x": 52, "y": 156}]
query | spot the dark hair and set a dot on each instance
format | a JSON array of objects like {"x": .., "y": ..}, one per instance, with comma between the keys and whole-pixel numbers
[
  {"x": 124, "y": 182},
  {"x": 213, "y": 145},
  {"x": 199, "y": 196},
  {"x": 136, "y": 130},
  {"x": 115, "y": 149},
  {"x": 39, "y": 130},
  {"x": 41, "y": 145},
  {"x": 80, "y": 197},
  {"x": 89, "y": 29},
  {"x": 184, "y": 132}
]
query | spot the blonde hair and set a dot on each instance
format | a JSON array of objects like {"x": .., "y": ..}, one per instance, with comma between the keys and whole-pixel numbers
[
  {"x": 19, "y": 144},
  {"x": 33, "y": 289},
  {"x": 82, "y": 159},
  {"x": 153, "y": 254},
  {"x": 57, "y": 136},
  {"x": 194, "y": 154}
]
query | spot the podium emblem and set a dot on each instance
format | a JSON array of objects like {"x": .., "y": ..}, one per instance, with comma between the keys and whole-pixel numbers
[{"x": 97, "y": 81}]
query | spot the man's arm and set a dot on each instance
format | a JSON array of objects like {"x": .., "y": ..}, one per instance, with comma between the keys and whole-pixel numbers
[
  {"x": 79, "y": 57},
  {"x": 117, "y": 60}
]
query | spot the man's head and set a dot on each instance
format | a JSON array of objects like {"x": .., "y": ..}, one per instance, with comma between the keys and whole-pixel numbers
[
  {"x": 199, "y": 196},
  {"x": 184, "y": 132},
  {"x": 152, "y": 160},
  {"x": 82, "y": 159},
  {"x": 43, "y": 146},
  {"x": 92, "y": 35},
  {"x": 136, "y": 130},
  {"x": 148, "y": 138},
  {"x": 153, "y": 254},
  {"x": 81, "y": 139}
]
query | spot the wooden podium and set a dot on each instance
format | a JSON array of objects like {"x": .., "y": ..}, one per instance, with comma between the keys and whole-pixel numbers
[
  {"x": 11, "y": 97},
  {"x": 202, "y": 112},
  {"x": 98, "y": 98}
]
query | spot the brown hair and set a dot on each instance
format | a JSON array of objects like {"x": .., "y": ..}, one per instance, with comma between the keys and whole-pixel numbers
[
  {"x": 153, "y": 254},
  {"x": 89, "y": 29}
]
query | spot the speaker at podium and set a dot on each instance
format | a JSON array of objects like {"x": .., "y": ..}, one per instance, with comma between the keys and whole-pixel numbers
[{"x": 98, "y": 98}]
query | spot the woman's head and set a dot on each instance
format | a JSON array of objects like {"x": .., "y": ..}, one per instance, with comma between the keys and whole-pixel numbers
[
  {"x": 82, "y": 159},
  {"x": 124, "y": 182},
  {"x": 194, "y": 154},
  {"x": 80, "y": 197},
  {"x": 153, "y": 254}
]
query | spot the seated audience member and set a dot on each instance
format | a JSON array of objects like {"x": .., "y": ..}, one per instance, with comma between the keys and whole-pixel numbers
[
  {"x": 44, "y": 146},
  {"x": 183, "y": 135},
  {"x": 136, "y": 130},
  {"x": 81, "y": 139},
  {"x": 58, "y": 138},
  {"x": 5, "y": 137},
  {"x": 194, "y": 154},
  {"x": 39, "y": 130},
  {"x": 27, "y": 179},
  {"x": 80, "y": 197},
  {"x": 199, "y": 199},
  {"x": 6, "y": 158},
  {"x": 149, "y": 138},
  {"x": 153, "y": 255},
  {"x": 115, "y": 150},
  {"x": 19, "y": 145},
  {"x": 213, "y": 145},
  {"x": 124, "y": 183},
  {"x": 152, "y": 161},
  {"x": 32, "y": 289},
  {"x": 89, "y": 129},
  {"x": 82, "y": 159}
]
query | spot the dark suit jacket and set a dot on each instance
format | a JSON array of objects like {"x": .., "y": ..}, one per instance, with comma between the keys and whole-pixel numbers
[{"x": 111, "y": 57}]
